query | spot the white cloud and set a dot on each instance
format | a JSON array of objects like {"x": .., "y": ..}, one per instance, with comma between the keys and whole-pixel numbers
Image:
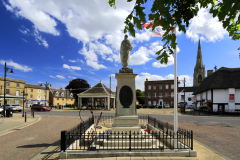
[
  {"x": 60, "y": 77},
  {"x": 39, "y": 39},
  {"x": 40, "y": 82},
  {"x": 30, "y": 10},
  {"x": 20, "y": 67},
  {"x": 62, "y": 57},
  {"x": 73, "y": 61},
  {"x": 71, "y": 67},
  {"x": 24, "y": 40},
  {"x": 72, "y": 77},
  {"x": 81, "y": 60},
  {"x": 141, "y": 56},
  {"x": 188, "y": 79},
  {"x": 24, "y": 30},
  {"x": 205, "y": 25},
  {"x": 52, "y": 76},
  {"x": 91, "y": 72},
  {"x": 91, "y": 58}
]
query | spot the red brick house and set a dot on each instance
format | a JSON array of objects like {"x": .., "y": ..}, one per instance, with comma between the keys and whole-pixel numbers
[{"x": 159, "y": 92}]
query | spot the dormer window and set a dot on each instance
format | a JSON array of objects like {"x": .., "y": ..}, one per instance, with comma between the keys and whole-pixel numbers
[
  {"x": 62, "y": 94},
  {"x": 71, "y": 95},
  {"x": 56, "y": 93}
]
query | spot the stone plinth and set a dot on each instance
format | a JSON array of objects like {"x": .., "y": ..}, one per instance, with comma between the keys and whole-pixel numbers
[
  {"x": 125, "y": 124},
  {"x": 126, "y": 118}
]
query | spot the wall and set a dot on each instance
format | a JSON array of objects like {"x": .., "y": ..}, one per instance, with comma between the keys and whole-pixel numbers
[
  {"x": 237, "y": 99},
  {"x": 187, "y": 95},
  {"x": 35, "y": 94},
  {"x": 220, "y": 96}
]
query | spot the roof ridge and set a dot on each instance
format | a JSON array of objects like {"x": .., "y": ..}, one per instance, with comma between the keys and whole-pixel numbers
[{"x": 104, "y": 88}]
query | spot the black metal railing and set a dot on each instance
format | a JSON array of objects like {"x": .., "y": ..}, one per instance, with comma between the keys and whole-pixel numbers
[
  {"x": 67, "y": 137},
  {"x": 92, "y": 141}
]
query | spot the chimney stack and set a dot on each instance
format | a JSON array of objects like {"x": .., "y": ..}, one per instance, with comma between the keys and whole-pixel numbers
[
  {"x": 209, "y": 72},
  {"x": 146, "y": 79}
]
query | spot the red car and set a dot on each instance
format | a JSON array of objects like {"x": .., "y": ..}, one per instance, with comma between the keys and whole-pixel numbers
[{"x": 40, "y": 107}]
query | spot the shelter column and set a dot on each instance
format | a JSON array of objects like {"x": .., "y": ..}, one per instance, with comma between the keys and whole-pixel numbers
[
  {"x": 80, "y": 102},
  {"x": 108, "y": 102},
  {"x": 114, "y": 103},
  {"x": 105, "y": 103},
  {"x": 92, "y": 102}
]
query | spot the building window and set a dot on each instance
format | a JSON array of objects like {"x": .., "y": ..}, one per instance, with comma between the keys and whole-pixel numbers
[
  {"x": 171, "y": 103},
  {"x": 7, "y": 84},
  {"x": 160, "y": 95},
  {"x": 31, "y": 96},
  {"x": 62, "y": 94},
  {"x": 154, "y": 103},
  {"x": 38, "y": 97},
  {"x": 17, "y": 85},
  {"x": 154, "y": 94},
  {"x": 39, "y": 91},
  {"x": 44, "y": 97},
  {"x": 149, "y": 95},
  {"x": 200, "y": 79},
  {"x": 71, "y": 95},
  {"x": 16, "y": 101},
  {"x": 167, "y": 86},
  {"x": 57, "y": 98},
  {"x": 166, "y": 102},
  {"x": 154, "y": 87},
  {"x": 63, "y": 99},
  {"x": 149, "y": 102},
  {"x": 7, "y": 91},
  {"x": 71, "y": 99},
  {"x": 17, "y": 93},
  {"x": 31, "y": 90},
  {"x": 56, "y": 93},
  {"x": 160, "y": 86},
  {"x": 166, "y": 94},
  {"x": 149, "y": 86},
  {"x": 172, "y": 86},
  {"x": 172, "y": 94},
  {"x": 182, "y": 97},
  {"x": 44, "y": 92}
]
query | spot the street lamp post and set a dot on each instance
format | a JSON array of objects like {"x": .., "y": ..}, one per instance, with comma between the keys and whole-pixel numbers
[
  {"x": 46, "y": 87},
  {"x": 24, "y": 94},
  {"x": 5, "y": 74}
]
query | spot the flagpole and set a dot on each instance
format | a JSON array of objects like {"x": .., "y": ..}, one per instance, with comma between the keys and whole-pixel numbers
[{"x": 175, "y": 91}]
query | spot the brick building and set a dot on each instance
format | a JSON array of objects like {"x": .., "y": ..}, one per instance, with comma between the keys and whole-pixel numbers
[{"x": 159, "y": 92}]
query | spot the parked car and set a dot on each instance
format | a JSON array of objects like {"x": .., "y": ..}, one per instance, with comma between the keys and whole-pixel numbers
[
  {"x": 14, "y": 107},
  {"x": 40, "y": 107},
  {"x": 166, "y": 106},
  {"x": 191, "y": 106},
  {"x": 1, "y": 109}
]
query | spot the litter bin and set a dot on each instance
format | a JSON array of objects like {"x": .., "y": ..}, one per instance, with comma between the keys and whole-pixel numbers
[{"x": 9, "y": 113}]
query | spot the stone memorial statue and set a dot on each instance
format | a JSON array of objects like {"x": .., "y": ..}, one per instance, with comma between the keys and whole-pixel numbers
[{"x": 125, "y": 49}]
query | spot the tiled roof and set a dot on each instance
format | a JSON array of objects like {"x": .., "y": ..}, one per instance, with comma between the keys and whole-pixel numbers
[
  {"x": 223, "y": 78},
  {"x": 98, "y": 90},
  {"x": 34, "y": 86},
  {"x": 53, "y": 92}
]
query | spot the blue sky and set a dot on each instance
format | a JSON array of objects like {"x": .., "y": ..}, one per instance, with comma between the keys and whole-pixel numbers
[{"x": 57, "y": 41}]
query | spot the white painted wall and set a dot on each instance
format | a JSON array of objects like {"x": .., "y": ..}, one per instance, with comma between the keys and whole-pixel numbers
[
  {"x": 215, "y": 106},
  {"x": 220, "y": 96},
  {"x": 237, "y": 96},
  {"x": 187, "y": 95},
  {"x": 209, "y": 95}
]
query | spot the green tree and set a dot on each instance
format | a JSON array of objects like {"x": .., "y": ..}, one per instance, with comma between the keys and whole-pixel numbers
[
  {"x": 140, "y": 96},
  {"x": 78, "y": 86},
  {"x": 225, "y": 10}
]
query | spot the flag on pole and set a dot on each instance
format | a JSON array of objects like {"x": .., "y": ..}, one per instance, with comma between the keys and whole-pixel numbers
[{"x": 157, "y": 32}]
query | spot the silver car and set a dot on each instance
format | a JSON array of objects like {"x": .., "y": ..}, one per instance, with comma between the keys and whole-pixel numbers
[{"x": 14, "y": 107}]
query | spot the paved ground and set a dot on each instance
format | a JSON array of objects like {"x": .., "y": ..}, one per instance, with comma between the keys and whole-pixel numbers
[{"x": 25, "y": 143}]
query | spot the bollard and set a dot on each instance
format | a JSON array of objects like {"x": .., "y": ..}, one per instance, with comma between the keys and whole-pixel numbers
[
  {"x": 33, "y": 113},
  {"x": 25, "y": 117}
]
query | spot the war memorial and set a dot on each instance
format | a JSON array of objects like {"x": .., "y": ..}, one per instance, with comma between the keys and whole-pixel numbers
[{"x": 126, "y": 133}]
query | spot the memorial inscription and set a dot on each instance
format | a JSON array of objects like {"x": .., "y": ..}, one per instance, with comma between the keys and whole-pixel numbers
[{"x": 126, "y": 96}]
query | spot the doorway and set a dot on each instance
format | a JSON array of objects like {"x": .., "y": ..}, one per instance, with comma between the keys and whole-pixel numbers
[{"x": 221, "y": 108}]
